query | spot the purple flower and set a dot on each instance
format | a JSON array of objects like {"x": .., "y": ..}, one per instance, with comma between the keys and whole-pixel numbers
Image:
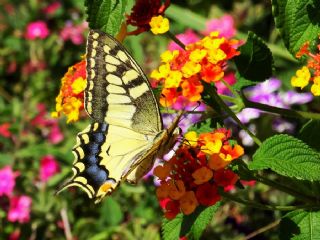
[
  {"x": 291, "y": 97},
  {"x": 246, "y": 139},
  {"x": 267, "y": 93}
]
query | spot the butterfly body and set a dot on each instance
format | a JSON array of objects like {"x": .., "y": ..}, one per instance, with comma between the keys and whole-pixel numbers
[{"x": 126, "y": 133}]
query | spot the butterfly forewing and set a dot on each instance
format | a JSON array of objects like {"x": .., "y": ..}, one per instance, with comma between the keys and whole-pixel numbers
[{"x": 118, "y": 91}]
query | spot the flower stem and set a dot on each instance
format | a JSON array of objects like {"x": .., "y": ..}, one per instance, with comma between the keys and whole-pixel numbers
[
  {"x": 262, "y": 206},
  {"x": 280, "y": 111},
  {"x": 176, "y": 40},
  {"x": 228, "y": 98},
  {"x": 283, "y": 188},
  {"x": 225, "y": 107},
  {"x": 243, "y": 167}
]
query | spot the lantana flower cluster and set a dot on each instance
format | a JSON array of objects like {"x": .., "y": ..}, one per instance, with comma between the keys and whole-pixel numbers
[
  {"x": 192, "y": 176},
  {"x": 310, "y": 72},
  {"x": 70, "y": 98},
  {"x": 142, "y": 13},
  {"x": 181, "y": 71}
]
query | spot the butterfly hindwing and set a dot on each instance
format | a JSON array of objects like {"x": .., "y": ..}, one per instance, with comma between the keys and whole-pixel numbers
[{"x": 118, "y": 92}]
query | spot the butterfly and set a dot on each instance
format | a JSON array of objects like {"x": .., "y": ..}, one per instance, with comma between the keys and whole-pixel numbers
[{"x": 126, "y": 133}]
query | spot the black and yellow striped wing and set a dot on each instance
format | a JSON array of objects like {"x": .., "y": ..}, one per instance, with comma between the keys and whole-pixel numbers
[
  {"x": 126, "y": 133},
  {"x": 118, "y": 92}
]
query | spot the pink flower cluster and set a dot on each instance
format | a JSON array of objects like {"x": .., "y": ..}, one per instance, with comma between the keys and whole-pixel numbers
[
  {"x": 224, "y": 25},
  {"x": 37, "y": 29},
  {"x": 19, "y": 209},
  {"x": 48, "y": 167},
  {"x": 20, "y": 206},
  {"x": 74, "y": 33}
]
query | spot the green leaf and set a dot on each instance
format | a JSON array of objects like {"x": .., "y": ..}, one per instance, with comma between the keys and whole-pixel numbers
[
  {"x": 191, "y": 225},
  {"x": 287, "y": 156},
  {"x": 111, "y": 213},
  {"x": 242, "y": 82},
  {"x": 297, "y": 21},
  {"x": 202, "y": 127},
  {"x": 300, "y": 225},
  {"x": 255, "y": 63},
  {"x": 171, "y": 228},
  {"x": 310, "y": 132},
  {"x": 106, "y": 15}
]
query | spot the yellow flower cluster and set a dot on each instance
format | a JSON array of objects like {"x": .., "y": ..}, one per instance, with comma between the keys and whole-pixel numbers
[
  {"x": 302, "y": 77},
  {"x": 70, "y": 98},
  {"x": 180, "y": 71}
]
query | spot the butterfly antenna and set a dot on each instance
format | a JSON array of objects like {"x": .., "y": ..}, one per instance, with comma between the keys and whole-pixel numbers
[
  {"x": 193, "y": 110},
  {"x": 166, "y": 105}
]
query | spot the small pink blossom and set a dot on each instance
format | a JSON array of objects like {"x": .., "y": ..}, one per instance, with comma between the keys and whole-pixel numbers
[
  {"x": 19, "y": 210},
  {"x": 52, "y": 8},
  {"x": 48, "y": 126},
  {"x": 225, "y": 26},
  {"x": 37, "y": 29},
  {"x": 7, "y": 181},
  {"x": 55, "y": 135},
  {"x": 4, "y": 130},
  {"x": 48, "y": 167},
  {"x": 74, "y": 33},
  {"x": 187, "y": 37}
]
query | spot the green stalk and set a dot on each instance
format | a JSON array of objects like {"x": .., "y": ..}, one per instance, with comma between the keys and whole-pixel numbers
[
  {"x": 225, "y": 107},
  {"x": 175, "y": 39},
  {"x": 262, "y": 206},
  {"x": 281, "y": 111},
  {"x": 274, "y": 184}
]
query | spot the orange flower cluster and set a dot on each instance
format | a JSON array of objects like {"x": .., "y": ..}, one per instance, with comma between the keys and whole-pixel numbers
[
  {"x": 192, "y": 177},
  {"x": 70, "y": 98},
  {"x": 181, "y": 70},
  {"x": 310, "y": 72}
]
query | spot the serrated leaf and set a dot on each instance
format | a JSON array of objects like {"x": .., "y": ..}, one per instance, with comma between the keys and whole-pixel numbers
[
  {"x": 198, "y": 221},
  {"x": 297, "y": 21},
  {"x": 171, "y": 228},
  {"x": 310, "y": 132},
  {"x": 106, "y": 15},
  {"x": 287, "y": 156},
  {"x": 191, "y": 226},
  {"x": 242, "y": 82},
  {"x": 300, "y": 225},
  {"x": 201, "y": 127},
  {"x": 255, "y": 63}
]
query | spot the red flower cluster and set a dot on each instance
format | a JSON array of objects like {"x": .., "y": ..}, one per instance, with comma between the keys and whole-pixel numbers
[
  {"x": 192, "y": 177},
  {"x": 143, "y": 11}
]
